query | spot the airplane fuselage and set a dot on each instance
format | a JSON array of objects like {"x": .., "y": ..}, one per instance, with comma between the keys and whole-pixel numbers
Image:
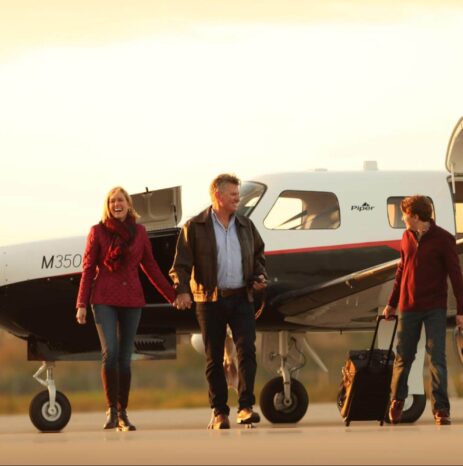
[{"x": 317, "y": 227}]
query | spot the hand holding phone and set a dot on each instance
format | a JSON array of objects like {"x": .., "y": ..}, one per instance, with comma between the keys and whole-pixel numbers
[{"x": 259, "y": 282}]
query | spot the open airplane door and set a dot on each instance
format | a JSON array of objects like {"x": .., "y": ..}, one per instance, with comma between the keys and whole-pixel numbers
[
  {"x": 454, "y": 159},
  {"x": 454, "y": 165},
  {"x": 160, "y": 209},
  {"x": 160, "y": 212}
]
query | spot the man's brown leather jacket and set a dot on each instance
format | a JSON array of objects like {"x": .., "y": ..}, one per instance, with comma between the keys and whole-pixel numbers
[{"x": 195, "y": 265}]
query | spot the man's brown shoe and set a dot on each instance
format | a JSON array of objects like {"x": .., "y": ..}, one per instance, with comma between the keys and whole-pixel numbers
[
  {"x": 247, "y": 416},
  {"x": 442, "y": 418},
  {"x": 219, "y": 421},
  {"x": 395, "y": 411}
]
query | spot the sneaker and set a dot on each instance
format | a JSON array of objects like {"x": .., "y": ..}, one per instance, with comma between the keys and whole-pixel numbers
[
  {"x": 395, "y": 411},
  {"x": 247, "y": 416},
  {"x": 219, "y": 421},
  {"x": 442, "y": 418}
]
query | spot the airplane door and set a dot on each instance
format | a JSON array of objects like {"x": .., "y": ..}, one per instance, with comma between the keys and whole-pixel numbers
[
  {"x": 160, "y": 209},
  {"x": 454, "y": 158},
  {"x": 454, "y": 165}
]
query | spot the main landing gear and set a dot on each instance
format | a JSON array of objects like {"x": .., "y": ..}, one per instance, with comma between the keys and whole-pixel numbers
[{"x": 49, "y": 410}]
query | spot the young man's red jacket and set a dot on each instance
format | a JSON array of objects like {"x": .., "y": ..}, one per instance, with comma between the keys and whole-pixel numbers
[{"x": 421, "y": 277}]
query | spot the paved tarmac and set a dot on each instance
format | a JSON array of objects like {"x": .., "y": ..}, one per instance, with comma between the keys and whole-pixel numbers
[{"x": 179, "y": 437}]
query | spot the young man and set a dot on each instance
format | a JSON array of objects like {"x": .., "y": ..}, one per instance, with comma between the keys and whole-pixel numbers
[
  {"x": 428, "y": 256},
  {"x": 221, "y": 256}
]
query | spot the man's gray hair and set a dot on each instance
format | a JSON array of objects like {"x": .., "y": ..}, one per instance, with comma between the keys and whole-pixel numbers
[{"x": 219, "y": 182}]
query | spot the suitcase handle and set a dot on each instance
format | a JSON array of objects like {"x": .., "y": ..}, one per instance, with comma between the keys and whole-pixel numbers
[{"x": 378, "y": 320}]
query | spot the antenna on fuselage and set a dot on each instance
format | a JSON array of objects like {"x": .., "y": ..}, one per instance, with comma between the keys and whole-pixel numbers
[{"x": 370, "y": 165}]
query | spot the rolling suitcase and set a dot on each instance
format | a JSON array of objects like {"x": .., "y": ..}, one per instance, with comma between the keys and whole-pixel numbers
[{"x": 365, "y": 387}]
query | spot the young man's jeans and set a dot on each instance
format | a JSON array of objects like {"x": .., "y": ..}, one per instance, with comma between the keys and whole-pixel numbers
[
  {"x": 117, "y": 327},
  {"x": 213, "y": 318},
  {"x": 408, "y": 334}
]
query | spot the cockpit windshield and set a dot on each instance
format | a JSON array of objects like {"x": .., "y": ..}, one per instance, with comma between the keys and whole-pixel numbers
[{"x": 250, "y": 194}]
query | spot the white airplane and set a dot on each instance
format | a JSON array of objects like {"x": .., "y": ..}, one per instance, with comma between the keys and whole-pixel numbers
[{"x": 332, "y": 245}]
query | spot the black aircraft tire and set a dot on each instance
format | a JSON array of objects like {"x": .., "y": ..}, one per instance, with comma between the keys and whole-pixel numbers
[
  {"x": 271, "y": 401},
  {"x": 43, "y": 419},
  {"x": 414, "y": 412}
]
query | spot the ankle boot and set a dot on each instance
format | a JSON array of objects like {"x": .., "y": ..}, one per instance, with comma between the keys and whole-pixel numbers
[
  {"x": 124, "y": 423},
  {"x": 111, "y": 419}
]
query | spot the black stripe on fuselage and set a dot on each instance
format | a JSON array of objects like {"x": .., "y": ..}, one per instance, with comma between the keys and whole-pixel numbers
[{"x": 44, "y": 308}]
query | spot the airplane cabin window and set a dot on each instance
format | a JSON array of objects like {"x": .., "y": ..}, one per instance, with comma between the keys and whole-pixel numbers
[
  {"x": 394, "y": 214},
  {"x": 304, "y": 210},
  {"x": 250, "y": 195}
]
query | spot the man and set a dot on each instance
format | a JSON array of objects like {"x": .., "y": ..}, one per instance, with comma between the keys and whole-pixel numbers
[
  {"x": 221, "y": 256},
  {"x": 428, "y": 256}
]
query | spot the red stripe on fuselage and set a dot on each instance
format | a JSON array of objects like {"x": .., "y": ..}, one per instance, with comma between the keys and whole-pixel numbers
[{"x": 390, "y": 244}]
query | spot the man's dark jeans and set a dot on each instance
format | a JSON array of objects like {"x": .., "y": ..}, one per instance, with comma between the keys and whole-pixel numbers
[
  {"x": 408, "y": 335},
  {"x": 117, "y": 327},
  {"x": 213, "y": 318}
]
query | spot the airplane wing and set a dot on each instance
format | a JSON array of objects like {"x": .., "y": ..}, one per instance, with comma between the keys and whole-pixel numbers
[
  {"x": 346, "y": 303},
  {"x": 349, "y": 302}
]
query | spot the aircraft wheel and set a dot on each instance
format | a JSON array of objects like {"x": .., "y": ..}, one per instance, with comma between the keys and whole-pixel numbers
[
  {"x": 44, "y": 418},
  {"x": 413, "y": 409},
  {"x": 273, "y": 407}
]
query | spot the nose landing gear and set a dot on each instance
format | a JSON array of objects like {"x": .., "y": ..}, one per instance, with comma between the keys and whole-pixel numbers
[{"x": 49, "y": 410}]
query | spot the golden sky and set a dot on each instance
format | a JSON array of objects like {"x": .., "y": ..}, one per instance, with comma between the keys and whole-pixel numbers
[
  {"x": 28, "y": 24},
  {"x": 97, "y": 93}
]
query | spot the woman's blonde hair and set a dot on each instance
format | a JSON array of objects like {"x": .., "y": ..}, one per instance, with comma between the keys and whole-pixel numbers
[{"x": 106, "y": 212}]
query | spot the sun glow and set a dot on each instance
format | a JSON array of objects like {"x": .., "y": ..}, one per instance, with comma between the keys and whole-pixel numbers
[{"x": 183, "y": 100}]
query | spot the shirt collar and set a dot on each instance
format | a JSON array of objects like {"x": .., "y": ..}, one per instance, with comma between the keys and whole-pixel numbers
[{"x": 216, "y": 219}]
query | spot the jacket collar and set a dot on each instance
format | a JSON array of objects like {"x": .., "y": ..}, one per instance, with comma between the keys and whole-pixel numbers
[
  {"x": 205, "y": 217},
  {"x": 432, "y": 229}
]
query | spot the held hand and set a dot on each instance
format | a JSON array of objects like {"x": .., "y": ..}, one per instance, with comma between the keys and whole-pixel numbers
[
  {"x": 81, "y": 315},
  {"x": 389, "y": 311},
  {"x": 459, "y": 319},
  {"x": 176, "y": 303},
  {"x": 183, "y": 301},
  {"x": 259, "y": 284}
]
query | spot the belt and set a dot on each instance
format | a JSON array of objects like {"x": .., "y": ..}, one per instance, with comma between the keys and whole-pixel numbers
[{"x": 226, "y": 292}]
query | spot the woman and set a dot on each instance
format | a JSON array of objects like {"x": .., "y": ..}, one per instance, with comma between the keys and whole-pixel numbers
[{"x": 115, "y": 248}]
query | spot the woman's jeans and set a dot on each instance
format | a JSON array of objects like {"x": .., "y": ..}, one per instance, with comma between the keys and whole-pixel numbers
[
  {"x": 117, "y": 327},
  {"x": 408, "y": 336},
  {"x": 213, "y": 318}
]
